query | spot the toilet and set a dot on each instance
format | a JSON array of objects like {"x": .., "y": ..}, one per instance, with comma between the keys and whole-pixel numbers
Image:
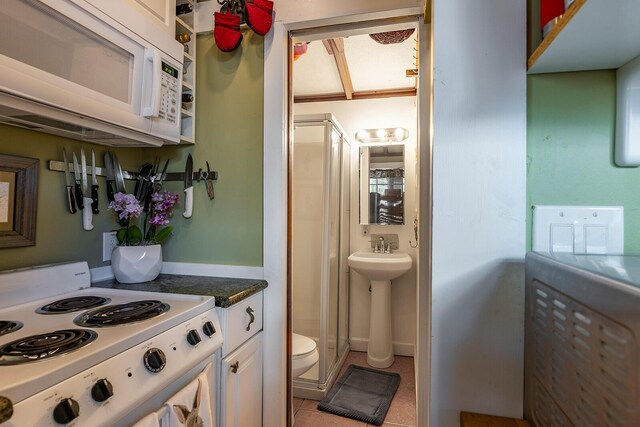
[{"x": 304, "y": 354}]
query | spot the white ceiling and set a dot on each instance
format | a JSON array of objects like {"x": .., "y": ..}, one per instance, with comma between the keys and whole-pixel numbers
[{"x": 373, "y": 66}]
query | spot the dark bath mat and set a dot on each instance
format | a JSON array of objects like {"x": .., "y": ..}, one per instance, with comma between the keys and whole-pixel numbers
[{"x": 363, "y": 394}]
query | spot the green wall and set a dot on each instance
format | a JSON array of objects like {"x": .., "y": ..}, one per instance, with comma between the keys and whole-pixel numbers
[
  {"x": 570, "y": 140},
  {"x": 227, "y": 230},
  {"x": 229, "y": 129}
]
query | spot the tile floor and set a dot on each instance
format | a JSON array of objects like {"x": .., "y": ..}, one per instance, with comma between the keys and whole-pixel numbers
[{"x": 401, "y": 413}]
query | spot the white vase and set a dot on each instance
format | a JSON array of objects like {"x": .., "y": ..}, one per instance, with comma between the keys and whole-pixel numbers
[{"x": 136, "y": 264}]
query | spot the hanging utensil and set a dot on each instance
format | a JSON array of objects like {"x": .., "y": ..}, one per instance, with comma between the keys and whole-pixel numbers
[
  {"x": 71, "y": 199},
  {"x": 188, "y": 188},
  {"x": 108, "y": 164},
  {"x": 87, "y": 214},
  {"x": 119, "y": 178},
  {"x": 94, "y": 184},
  {"x": 140, "y": 190},
  {"x": 76, "y": 175}
]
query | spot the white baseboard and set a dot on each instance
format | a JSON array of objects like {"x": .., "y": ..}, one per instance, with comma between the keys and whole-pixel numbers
[
  {"x": 99, "y": 274},
  {"x": 399, "y": 348},
  {"x": 212, "y": 270}
]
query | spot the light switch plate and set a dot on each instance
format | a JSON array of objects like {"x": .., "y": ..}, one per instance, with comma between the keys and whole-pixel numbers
[{"x": 578, "y": 229}]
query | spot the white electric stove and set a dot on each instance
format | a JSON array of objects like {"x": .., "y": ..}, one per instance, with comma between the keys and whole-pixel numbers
[{"x": 75, "y": 355}]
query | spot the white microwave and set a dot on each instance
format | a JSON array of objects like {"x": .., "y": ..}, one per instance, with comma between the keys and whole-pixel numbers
[{"x": 96, "y": 70}]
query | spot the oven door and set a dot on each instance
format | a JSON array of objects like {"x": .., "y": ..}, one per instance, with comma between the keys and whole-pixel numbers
[
  {"x": 59, "y": 54},
  {"x": 156, "y": 402}
]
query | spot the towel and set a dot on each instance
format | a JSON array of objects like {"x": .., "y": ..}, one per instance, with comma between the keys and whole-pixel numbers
[
  {"x": 191, "y": 406},
  {"x": 150, "y": 420}
]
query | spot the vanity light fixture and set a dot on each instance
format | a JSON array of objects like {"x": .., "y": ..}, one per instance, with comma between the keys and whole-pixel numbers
[{"x": 382, "y": 135}]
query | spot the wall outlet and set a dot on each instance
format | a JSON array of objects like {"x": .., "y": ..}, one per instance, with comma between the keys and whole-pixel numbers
[{"x": 109, "y": 241}]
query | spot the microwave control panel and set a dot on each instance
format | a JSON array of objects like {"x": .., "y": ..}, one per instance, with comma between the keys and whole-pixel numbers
[{"x": 169, "y": 104}]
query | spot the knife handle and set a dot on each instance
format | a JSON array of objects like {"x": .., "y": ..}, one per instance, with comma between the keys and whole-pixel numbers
[
  {"x": 87, "y": 215},
  {"x": 94, "y": 199},
  {"x": 110, "y": 190},
  {"x": 79, "y": 197},
  {"x": 188, "y": 202},
  {"x": 71, "y": 200}
]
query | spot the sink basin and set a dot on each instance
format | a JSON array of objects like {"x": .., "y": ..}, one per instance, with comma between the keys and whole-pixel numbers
[{"x": 377, "y": 266}]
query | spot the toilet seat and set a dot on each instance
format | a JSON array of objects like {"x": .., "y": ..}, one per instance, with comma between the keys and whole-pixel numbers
[
  {"x": 304, "y": 354},
  {"x": 301, "y": 346}
]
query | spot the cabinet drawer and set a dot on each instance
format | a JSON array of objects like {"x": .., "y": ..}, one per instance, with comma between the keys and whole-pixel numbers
[{"x": 240, "y": 322}]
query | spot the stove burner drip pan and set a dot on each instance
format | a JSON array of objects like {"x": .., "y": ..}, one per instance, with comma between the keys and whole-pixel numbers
[
  {"x": 44, "y": 346},
  {"x": 122, "y": 314},
  {"x": 8, "y": 326},
  {"x": 68, "y": 305}
]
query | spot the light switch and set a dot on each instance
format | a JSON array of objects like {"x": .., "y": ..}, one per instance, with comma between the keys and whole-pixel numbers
[
  {"x": 578, "y": 229},
  {"x": 595, "y": 239},
  {"x": 562, "y": 238}
]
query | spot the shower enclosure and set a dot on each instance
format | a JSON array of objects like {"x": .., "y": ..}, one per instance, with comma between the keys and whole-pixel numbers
[{"x": 320, "y": 192}]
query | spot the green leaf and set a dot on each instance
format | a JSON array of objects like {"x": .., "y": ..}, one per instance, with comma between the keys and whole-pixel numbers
[
  {"x": 134, "y": 236},
  {"x": 163, "y": 234},
  {"x": 121, "y": 235}
]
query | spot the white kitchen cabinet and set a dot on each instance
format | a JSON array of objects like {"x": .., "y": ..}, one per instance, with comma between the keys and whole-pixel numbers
[
  {"x": 240, "y": 364},
  {"x": 163, "y": 11},
  {"x": 241, "y": 385}
]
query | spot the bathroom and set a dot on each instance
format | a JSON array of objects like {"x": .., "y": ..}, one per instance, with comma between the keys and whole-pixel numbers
[{"x": 332, "y": 305}]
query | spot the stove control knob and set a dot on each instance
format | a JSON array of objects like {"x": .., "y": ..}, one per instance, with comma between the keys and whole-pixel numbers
[
  {"x": 154, "y": 360},
  {"x": 193, "y": 337},
  {"x": 101, "y": 390},
  {"x": 208, "y": 328},
  {"x": 66, "y": 411},
  {"x": 6, "y": 409}
]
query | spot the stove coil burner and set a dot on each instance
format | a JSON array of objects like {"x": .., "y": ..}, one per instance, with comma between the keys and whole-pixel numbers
[
  {"x": 44, "y": 346},
  {"x": 8, "y": 326},
  {"x": 68, "y": 305},
  {"x": 122, "y": 314}
]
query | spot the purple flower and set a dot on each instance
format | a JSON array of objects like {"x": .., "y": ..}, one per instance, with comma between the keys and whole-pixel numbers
[{"x": 126, "y": 206}]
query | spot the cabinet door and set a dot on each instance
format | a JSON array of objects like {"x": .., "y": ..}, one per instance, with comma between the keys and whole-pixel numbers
[{"x": 241, "y": 385}]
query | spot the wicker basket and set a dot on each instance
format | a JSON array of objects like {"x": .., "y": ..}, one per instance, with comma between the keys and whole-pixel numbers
[{"x": 391, "y": 37}]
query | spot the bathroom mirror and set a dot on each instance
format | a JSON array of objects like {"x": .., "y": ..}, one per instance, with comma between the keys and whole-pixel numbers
[{"x": 382, "y": 184}]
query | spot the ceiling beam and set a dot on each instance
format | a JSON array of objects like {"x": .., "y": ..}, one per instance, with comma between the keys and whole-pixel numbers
[
  {"x": 335, "y": 47},
  {"x": 370, "y": 94}
]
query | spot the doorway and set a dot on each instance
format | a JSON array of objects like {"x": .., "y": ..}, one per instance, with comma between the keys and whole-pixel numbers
[{"x": 326, "y": 79}]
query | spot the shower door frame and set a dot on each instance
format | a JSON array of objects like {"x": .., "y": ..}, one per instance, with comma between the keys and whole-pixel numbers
[{"x": 316, "y": 389}]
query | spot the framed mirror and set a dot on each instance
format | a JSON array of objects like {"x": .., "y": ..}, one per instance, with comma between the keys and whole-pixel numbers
[
  {"x": 18, "y": 201},
  {"x": 382, "y": 184}
]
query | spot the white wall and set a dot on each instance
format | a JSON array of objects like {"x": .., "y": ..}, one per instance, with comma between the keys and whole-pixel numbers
[
  {"x": 479, "y": 149},
  {"x": 353, "y": 116}
]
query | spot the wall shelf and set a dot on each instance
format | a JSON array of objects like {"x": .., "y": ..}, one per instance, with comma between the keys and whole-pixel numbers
[
  {"x": 184, "y": 24},
  {"x": 592, "y": 35}
]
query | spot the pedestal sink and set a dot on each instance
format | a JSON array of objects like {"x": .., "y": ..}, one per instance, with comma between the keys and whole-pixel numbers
[{"x": 380, "y": 269}]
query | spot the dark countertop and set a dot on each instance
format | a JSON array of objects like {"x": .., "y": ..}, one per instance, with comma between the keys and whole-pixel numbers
[{"x": 227, "y": 291}]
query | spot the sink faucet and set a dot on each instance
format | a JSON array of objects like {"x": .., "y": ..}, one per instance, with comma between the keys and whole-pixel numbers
[{"x": 380, "y": 245}]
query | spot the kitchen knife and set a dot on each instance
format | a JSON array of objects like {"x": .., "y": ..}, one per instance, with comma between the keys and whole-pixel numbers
[
  {"x": 71, "y": 199},
  {"x": 87, "y": 214},
  {"x": 120, "y": 188},
  {"x": 108, "y": 164},
  {"x": 94, "y": 184},
  {"x": 188, "y": 188},
  {"x": 76, "y": 175}
]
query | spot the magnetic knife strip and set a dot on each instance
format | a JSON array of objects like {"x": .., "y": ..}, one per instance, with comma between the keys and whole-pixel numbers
[{"x": 55, "y": 165}]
